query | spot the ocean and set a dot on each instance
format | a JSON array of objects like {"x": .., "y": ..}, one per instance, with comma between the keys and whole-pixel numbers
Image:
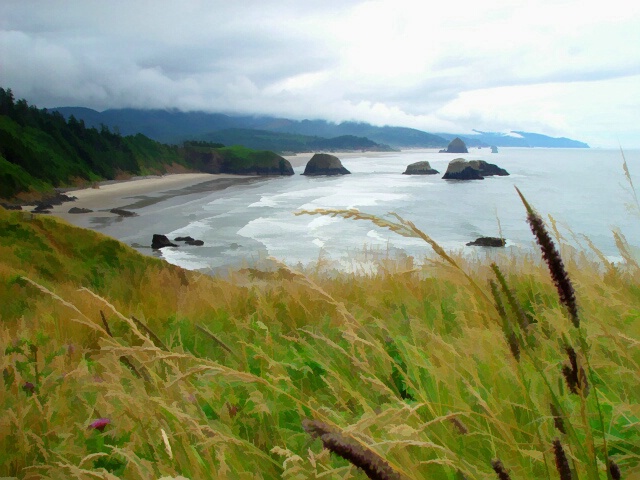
[{"x": 584, "y": 190}]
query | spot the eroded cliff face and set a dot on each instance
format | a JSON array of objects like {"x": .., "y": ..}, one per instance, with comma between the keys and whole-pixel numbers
[{"x": 267, "y": 163}]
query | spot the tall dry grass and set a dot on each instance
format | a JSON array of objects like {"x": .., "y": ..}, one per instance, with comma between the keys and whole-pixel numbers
[{"x": 413, "y": 367}]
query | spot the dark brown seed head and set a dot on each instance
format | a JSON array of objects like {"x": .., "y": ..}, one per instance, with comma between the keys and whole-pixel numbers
[
  {"x": 459, "y": 426},
  {"x": 562, "y": 464},
  {"x": 570, "y": 372},
  {"x": 373, "y": 465},
  {"x": 557, "y": 419},
  {"x": 553, "y": 260},
  {"x": 614, "y": 470},
  {"x": 574, "y": 374},
  {"x": 570, "y": 378},
  {"x": 557, "y": 270},
  {"x": 498, "y": 467}
]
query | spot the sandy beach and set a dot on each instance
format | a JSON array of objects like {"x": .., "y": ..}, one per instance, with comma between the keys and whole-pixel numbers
[
  {"x": 139, "y": 192},
  {"x": 136, "y": 195}
]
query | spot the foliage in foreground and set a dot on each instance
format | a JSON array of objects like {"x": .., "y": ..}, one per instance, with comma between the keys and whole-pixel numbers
[{"x": 120, "y": 365}]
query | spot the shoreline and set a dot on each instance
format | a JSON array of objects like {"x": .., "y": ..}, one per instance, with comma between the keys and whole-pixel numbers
[{"x": 138, "y": 192}]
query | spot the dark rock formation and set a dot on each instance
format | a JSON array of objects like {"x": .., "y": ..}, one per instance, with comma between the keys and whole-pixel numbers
[
  {"x": 60, "y": 198},
  {"x": 461, "y": 169},
  {"x": 161, "y": 241},
  {"x": 123, "y": 213},
  {"x": 8, "y": 206},
  {"x": 420, "y": 168},
  {"x": 197, "y": 243},
  {"x": 325, "y": 164},
  {"x": 42, "y": 207},
  {"x": 189, "y": 241},
  {"x": 457, "y": 146},
  {"x": 80, "y": 210},
  {"x": 490, "y": 169},
  {"x": 488, "y": 242}
]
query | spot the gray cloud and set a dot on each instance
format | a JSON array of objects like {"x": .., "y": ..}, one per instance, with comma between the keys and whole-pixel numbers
[{"x": 543, "y": 65}]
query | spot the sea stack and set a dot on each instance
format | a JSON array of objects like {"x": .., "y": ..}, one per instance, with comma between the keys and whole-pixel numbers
[
  {"x": 420, "y": 168},
  {"x": 325, "y": 164},
  {"x": 457, "y": 146},
  {"x": 461, "y": 169}
]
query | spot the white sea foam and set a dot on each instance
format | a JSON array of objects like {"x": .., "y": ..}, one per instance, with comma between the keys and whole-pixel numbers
[
  {"x": 321, "y": 221},
  {"x": 184, "y": 259},
  {"x": 568, "y": 184},
  {"x": 193, "y": 229}
]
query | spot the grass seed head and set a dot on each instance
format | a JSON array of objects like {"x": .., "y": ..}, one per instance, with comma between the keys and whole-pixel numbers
[
  {"x": 562, "y": 464},
  {"x": 553, "y": 260},
  {"x": 614, "y": 470},
  {"x": 557, "y": 419},
  {"x": 371, "y": 463},
  {"x": 574, "y": 374},
  {"x": 498, "y": 467}
]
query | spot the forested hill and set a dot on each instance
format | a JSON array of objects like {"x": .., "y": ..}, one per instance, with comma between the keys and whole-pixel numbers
[{"x": 41, "y": 150}]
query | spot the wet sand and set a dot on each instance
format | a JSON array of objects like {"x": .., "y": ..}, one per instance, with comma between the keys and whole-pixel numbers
[{"x": 141, "y": 192}]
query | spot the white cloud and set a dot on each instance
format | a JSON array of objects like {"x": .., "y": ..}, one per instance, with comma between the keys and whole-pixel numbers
[{"x": 565, "y": 68}]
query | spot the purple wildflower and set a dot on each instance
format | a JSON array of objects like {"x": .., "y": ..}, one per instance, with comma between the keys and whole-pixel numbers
[
  {"x": 29, "y": 387},
  {"x": 99, "y": 424}
]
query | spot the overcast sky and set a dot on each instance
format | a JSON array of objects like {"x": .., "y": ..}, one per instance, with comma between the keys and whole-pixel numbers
[{"x": 563, "y": 68}]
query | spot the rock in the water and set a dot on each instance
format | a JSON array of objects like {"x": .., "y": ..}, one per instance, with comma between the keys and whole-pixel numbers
[
  {"x": 325, "y": 164},
  {"x": 457, "y": 146},
  {"x": 420, "y": 168},
  {"x": 197, "y": 243},
  {"x": 494, "y": 149},
  {"x": 461, "y": 169},
  {"x": 161, "y": 241},
  {"x": 489, "y": 169},
  {"x": 189, "y": 241},
  {"x": 123, "y": 213},
  {"x": 488, "y": 242},
  {"x": 80, "y": 210}
]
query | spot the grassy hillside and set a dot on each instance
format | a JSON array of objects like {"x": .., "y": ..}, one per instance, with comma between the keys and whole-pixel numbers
[{"x": 120, "y": 365}]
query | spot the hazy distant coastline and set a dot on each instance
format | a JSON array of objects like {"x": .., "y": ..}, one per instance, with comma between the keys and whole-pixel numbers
[{"x": 283, "y": 134}]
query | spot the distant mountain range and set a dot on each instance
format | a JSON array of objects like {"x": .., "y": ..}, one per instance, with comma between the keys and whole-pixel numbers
[{"x": 285, "y": 135}]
